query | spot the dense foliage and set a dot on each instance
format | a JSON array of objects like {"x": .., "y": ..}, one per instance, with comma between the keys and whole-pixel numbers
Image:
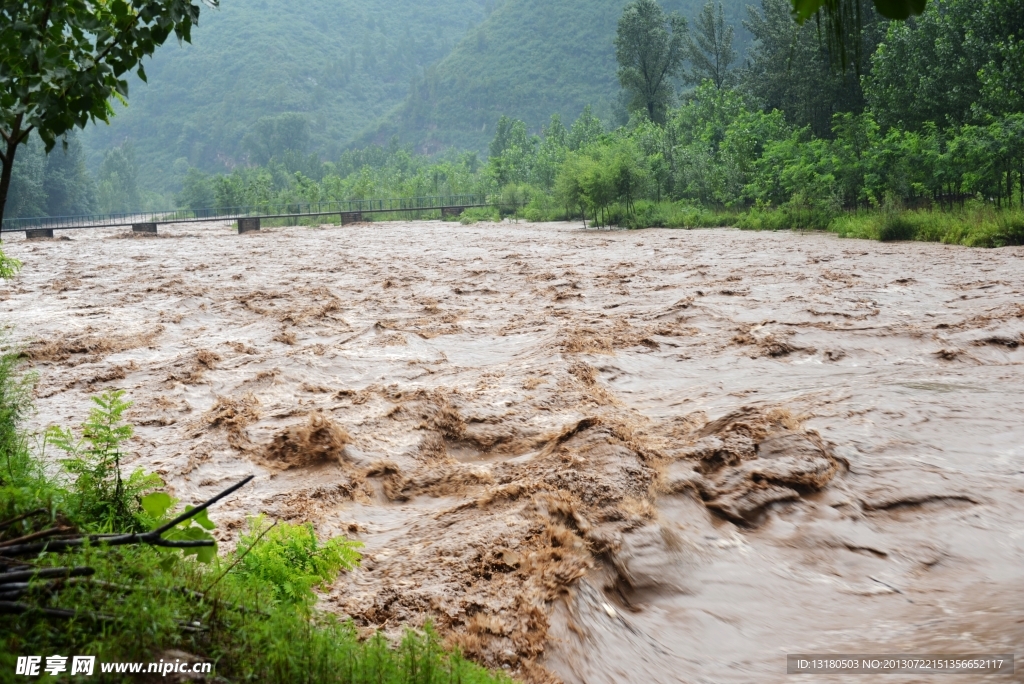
[
  {"x": 62, "y": 62},
  {"x": 757, "y": 151},
  {"x": 786, "y": 140}
]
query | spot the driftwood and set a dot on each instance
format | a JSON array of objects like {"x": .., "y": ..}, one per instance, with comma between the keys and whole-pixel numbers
[{"x": 21, "y": 577}]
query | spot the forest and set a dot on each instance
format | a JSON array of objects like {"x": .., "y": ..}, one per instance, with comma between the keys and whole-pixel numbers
[{"x": 920, "y": 133}]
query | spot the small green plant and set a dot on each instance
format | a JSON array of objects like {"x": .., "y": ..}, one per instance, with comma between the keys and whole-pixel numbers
[
  {"x": 94, "y": 460},
  {"x": 291, "y": 559},
  {"x": 9, "y": 266},
  {"x": 15, "y": 394}
]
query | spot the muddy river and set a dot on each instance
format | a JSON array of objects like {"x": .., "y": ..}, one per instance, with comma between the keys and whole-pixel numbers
[{"x": 586, "y": 456}]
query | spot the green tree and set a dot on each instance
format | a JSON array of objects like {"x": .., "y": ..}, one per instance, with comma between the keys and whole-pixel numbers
[
  {"x": 276, "y": 136},
  {"x": 649, "y": 47},
  {"x": 960, "y": 62},
  {"x": 68, "y": 186},
  {"x": 709, "y": 48},
  {"x": 551, "y": 153},
  {"x": 26, "y": 194},
  {"x": 585, "y": 130},
  {"x": 512, "y": 153},
  {"x": 118, "y": 188},
  {"x": 54, "y": 184},
  {"x": 198, "y": 191},
  {"x": 61, "y": 62},
  {"x": 789, "y": 68}
]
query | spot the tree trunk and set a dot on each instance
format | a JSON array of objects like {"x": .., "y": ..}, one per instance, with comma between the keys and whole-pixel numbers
[{"x": 13, "y": 139}]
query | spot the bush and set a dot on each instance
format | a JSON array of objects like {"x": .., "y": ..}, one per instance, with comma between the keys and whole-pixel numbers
[
  {"x": 786, "y": 217},
  {"x": 977, "y": 225},
  {"x": 897, "y": 226},
  {"x": 9, "y": 266},
  {"x": 474, "y": 214},
  {"x": 291, "y": 559}
]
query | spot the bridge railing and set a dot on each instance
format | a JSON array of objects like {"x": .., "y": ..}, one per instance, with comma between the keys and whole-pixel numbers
[{"x": 267, "y": 210}]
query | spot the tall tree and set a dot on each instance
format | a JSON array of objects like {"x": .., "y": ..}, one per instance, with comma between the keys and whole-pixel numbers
[
  {"x": 62, "y": 61},
  {"x": 650, "y": 49},
  {"x": 709, "y": 48},
  {"x": 54, "y": 184},
  {"x": 789, "y": 67},
  {"x": 69, "y": 187},
  {"x": 959, "y": 62},
  {"x": 585, "y": 130},
  {"x": 119, "y": 181}
]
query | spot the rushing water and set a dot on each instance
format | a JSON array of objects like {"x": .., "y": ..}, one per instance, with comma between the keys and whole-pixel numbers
[{"x": 553, "y": 441}]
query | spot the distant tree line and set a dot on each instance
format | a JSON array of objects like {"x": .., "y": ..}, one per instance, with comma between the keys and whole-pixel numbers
[
  {"x": 59, "y": 184},
  {"x": 929, "y": 113}
]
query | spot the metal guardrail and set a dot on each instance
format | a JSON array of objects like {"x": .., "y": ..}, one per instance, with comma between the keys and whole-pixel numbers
[{"x": 263, "y": 211}]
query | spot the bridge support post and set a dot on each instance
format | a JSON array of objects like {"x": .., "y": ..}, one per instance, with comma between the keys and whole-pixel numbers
[
  {"x": 34, "y": 233},
  {"x": 351, "y": 217},
  {"x": 248, "y": 225},
  {"x": 149, "y": 228}
]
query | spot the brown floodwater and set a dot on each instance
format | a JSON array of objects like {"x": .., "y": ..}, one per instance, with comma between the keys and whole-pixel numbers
[{"x": 586, "y": 456}]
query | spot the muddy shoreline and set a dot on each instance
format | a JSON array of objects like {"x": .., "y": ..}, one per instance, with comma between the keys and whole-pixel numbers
[{"x": 586, "y": 456}]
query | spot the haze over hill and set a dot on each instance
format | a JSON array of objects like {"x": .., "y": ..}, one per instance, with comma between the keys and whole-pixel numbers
[
  {"x": 528, "y": 60},
  {"x": 341, "y": 64},
  {"x": 267, "y": 75}
]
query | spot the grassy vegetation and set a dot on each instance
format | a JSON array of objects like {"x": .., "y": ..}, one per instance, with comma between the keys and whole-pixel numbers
[
  {"x": 977, "y": 226},
  {"x": 250, "y": 611}
]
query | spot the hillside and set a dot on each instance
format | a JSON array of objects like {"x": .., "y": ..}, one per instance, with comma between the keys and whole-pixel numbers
[
  {"x": 263, "y": 76},
  {"x": 339, "y": 64},
  {"x": 528, "y": 60}
]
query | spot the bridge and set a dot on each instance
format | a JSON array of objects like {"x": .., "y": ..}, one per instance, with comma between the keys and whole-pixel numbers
[{"x": 249, "y": 218}]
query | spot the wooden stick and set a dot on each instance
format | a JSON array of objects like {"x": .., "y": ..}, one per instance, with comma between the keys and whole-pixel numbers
[
  {"x": 7, "y": 523},
  {"x": 44, "y": 573},
  {"x": 53, "y": 531}
]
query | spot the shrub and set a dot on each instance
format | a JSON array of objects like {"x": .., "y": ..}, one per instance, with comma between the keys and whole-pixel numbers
[
  {"x": 897, "y": 226},
  {"x": 474, "y": 214},
  {"x": 290, "y": 559},
  {"x": 9, "y": 266},
  {"x": 94, "y": 460}
]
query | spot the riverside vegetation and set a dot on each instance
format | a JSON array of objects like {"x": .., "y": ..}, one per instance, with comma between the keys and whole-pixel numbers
[
  {"x": 882, "y": 146},
  {"x": 251, "y": 611}
]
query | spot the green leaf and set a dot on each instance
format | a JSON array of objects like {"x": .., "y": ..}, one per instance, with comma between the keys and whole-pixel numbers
[
  {"x": 205, "y": 554},
  {"x": 805, "y": 9},
  {"x": 203, "y": 520},
  {"x": 157, "y": 503},
  {"x": 899, "y": 9}
]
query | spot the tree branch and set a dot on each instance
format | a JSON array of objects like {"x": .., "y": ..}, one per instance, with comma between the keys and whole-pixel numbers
[
  {"x": 39, "y": 511},
  {"x": 153, "y": 538},
  {"x": 44, "y": 573}
]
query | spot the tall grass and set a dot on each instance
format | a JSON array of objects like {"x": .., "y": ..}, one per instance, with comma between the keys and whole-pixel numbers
[{"x": 974, "y": 226}]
